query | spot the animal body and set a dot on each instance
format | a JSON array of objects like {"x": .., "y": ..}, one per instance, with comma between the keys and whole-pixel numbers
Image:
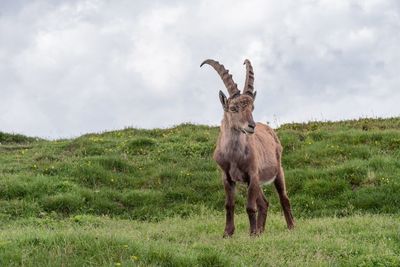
[{"x": 247, "y": 152}]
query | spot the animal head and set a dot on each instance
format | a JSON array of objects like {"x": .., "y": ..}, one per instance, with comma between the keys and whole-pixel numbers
[{"x": 238, "y": 107}]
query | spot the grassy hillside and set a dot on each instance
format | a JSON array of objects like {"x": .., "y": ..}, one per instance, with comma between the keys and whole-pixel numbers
[
  {"x": 95, "y": 182},
  {"x": 331, "y": 169}
]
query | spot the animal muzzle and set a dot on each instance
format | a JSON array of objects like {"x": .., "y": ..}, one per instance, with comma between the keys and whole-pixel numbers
[{"x": 250, "y": 128}]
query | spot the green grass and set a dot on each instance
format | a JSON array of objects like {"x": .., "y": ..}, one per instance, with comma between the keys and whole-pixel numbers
[
  {"x": 359, "y": 240},
  {"x": 93, "y": 194}
]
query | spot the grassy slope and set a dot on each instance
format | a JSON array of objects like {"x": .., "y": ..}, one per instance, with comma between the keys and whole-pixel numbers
[{"x": 332, "y": 169}]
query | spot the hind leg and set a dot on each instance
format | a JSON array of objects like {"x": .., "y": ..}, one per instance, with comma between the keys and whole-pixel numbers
[
  {"x": 285, "y": 203},
  {"x": 262, "y": 209}
]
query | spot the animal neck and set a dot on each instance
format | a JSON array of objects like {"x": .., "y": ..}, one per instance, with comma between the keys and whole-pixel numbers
[{"x": 232, "y": 138}]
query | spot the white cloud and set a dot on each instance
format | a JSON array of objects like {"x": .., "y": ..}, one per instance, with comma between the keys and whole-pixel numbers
[
  {"x": 70, "y": 67},
  {"x": 159, "y": 54}
]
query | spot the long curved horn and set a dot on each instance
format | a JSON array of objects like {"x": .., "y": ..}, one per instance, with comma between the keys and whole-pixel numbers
[
  {"x": 249, "y": 83},
  {"x": 225, "y": 76}
]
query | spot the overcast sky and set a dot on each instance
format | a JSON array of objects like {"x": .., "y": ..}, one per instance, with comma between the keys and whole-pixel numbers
[{"x": 72, "y": 67}]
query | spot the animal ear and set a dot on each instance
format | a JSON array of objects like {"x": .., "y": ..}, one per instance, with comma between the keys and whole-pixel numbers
[
  {"x": 254, "y": 95},
  {"x": 224, "y": 100}
]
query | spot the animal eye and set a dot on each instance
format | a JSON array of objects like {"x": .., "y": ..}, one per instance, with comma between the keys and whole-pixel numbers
[{"x": 233, "y": 109}]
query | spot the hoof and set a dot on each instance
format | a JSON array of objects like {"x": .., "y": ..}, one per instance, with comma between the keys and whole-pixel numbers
[
  {"x": 227, "y": 235},
  {"x": 254, "y": 234}
]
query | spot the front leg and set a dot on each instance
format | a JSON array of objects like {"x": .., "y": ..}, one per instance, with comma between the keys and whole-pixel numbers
[
  {"x": 253, "y": 192},
  {"x": 229, "y": 186},
  {"x": 262, "y": 209}
]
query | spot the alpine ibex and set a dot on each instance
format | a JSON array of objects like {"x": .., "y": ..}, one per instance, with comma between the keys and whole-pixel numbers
[{"x": 247, "y": 152}]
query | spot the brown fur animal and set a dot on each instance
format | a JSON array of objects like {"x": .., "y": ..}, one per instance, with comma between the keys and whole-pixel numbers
[{"x": 247, "y": 152}]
